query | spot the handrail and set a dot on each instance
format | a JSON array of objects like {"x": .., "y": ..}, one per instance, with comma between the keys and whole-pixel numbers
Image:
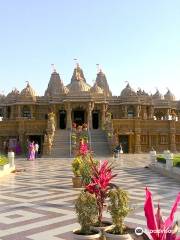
[
  {"x": 70, "y": 143},
  {"x": 89, "y": 134}
]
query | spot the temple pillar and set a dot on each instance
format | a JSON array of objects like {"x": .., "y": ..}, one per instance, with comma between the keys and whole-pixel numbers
[
  {"x": 172, "y": 136},
  {"x": 103, "y": 116},
  {"x": 138, "y": 108},
  {"x": 12, "y": 112},
  {"x": 90, "y": 108},
  {"x": 137, "y": 136},
  {"x": 69, "y": 120},
  {"x": 5, "y": 112},
  {"x": 151, "y": 112},
  {"x": 32, "y": 111},
  {"x": 19, "y": 111},
  {"x": 130, "y": 143},
  {"x": 125, "y": 111}
]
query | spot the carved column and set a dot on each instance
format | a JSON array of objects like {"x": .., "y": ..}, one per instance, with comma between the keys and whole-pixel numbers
[
  {"x": 125, "y": 111},
  {"x": 5, "y": 112},
  {"x": 151, "y": 112},
  {"x": 137, "y": 137},
  {"x": 138, "y": 108},
  {"x": 69, "y": 120},
  {"x": 172, "y": 136},
  {"x": 90, "y": 108},
  {"x": 12, "y": 112},
  {"x": 19, "y": 111},
  {"x": 32, "y": 111},
  {"x": 103, "y": 115}
]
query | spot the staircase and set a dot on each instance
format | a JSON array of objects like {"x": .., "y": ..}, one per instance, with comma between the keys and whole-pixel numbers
[
  {"x": 99, "y": 143},
  {"x": 61, "y": 145}
]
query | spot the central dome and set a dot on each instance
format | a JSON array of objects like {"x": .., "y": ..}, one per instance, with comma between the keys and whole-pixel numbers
[
  {"x": 78, "y": 82},
  {"x": 128, "y": 92},
  {"x": 78, "y": 86}
]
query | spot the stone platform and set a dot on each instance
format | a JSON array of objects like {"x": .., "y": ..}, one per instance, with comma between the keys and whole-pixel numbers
[{"x": 37, "y": 204}]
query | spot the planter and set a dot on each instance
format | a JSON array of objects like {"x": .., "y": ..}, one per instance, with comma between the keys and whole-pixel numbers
[
  {"x": 103, "y": 228},
  {"x": 5, "y": 167},
  {"x": 86, "y": 237},
  {"x": 77, "y": 182},
  {"x": 128, "y": 236}
]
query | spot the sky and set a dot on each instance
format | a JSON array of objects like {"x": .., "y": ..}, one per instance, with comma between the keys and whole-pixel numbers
[{"x": 133, "y": 40}]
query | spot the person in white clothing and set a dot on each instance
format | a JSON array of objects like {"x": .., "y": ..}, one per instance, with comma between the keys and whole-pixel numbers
[{"x": 36, "y": 146}]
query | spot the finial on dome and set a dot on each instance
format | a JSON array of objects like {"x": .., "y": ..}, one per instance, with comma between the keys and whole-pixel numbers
[
  {"x": 76, "y": 62},
  {"x": 53, "y": 68},
  {"x": 27, "y": 82},
  {"x": 98, "y": 68}
]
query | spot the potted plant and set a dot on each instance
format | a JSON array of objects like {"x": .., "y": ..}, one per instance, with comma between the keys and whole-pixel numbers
[
  {"x": 118, "y": 208},
  {"x": 158, "y": 227},
  {"x": 74, "y": 126},
  {"x": 73, "y": 138},
  {"x": 87, "y": 212},
  {"x": 85, "y": 127},
  {"x": 76, "y": 165},
  {"x": 100, "y": 186}
]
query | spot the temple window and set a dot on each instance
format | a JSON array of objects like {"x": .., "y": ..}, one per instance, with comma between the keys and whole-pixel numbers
[
  {"x": 1, "y": 112},
  {"x": 130, "y": 111},
  {"x": 164, "y": 139},
  {"x": 177, "y": 138},
  {"x": 26, "y": 112},
  {"x": 144, "y": 139}
]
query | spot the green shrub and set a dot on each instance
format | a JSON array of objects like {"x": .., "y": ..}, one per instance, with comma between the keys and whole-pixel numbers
[
  {"x": 76, "y": 166},
  {"x": 3, "y": 160},
  {"x": 176, "y": 161},
  {"x": 87, "y": 211},
  {"x": 118, "y": 209},
  {"x": 161, "y": 159}
]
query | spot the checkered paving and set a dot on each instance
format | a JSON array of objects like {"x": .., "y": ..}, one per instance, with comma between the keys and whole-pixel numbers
[{"x": 37, "y": 204}]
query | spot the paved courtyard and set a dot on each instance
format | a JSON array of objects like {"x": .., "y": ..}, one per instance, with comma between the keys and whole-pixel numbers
[{"x": 37, "y": 204}]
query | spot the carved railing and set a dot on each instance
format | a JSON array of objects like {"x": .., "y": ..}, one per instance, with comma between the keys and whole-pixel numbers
[{"x": 22, "y": 126}]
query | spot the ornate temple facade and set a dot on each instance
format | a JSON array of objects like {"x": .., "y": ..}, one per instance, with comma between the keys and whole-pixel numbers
[{"x": 135, "y": 119}]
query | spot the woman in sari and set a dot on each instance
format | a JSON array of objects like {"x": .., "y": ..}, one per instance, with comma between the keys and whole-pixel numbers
[{"x": 31, "y": 151}]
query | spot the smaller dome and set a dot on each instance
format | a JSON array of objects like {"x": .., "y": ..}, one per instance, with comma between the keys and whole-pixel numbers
[
  {"x": 27, "y": 94},
  {"x": 28, "y": 91},
  {"x": 128, "y": 92},
  {"x": 96, "y": 89},
  {"x": 55, "y": 86},
  {"x": 169, "y": 96},
  {"x": 12, "y": 95},
  {"x": 142, "y": 93},
  {"x": 157, "y": 95}
]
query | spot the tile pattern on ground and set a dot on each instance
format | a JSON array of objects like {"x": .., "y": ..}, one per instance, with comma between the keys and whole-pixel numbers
[{"x": 37, "y": 204}]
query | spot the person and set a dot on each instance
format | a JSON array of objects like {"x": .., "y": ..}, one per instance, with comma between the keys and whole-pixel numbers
[
  {"x": 36, "y": 149},
  {"x": 120, "y": 149},
  {"x": 18, "y": 148},
  {"x": 31, "y": 151}
]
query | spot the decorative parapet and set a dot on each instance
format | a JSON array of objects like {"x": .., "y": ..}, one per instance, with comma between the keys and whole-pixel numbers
[
  {"x": 49, "y": 136},
  {"x": 166, "y": 168}
]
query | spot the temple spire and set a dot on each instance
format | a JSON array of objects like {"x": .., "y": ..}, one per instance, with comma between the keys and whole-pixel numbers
[{"x": 53, "y": 68}]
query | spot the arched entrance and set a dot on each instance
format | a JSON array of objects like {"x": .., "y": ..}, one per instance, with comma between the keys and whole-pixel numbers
[
  {"x": 79, "y": 116},
  {"x": 62, "y": 119},
  {"x": 95, "y": 119},
  {"x": 124, "y": 142}
]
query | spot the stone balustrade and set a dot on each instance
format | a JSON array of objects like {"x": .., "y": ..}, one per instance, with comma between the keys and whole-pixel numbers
[{"x": 166, "y": 169}]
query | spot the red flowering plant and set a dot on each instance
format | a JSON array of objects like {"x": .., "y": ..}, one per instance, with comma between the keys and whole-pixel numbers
[
  {"x": 159, "y": 228},
  {"x": 100, "y": 185},
  {"x": 83, "y": 148}
]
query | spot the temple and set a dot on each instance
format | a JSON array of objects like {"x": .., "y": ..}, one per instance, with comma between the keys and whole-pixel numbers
[{"x": 135, "y": 119}]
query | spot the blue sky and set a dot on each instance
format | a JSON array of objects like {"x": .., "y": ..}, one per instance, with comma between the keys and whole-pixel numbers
[{"x": 133, "y": 40}]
